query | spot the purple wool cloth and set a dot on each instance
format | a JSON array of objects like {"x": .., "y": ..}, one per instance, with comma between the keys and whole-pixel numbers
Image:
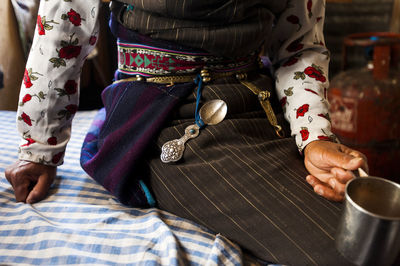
[{"x": 133, "y": 114}]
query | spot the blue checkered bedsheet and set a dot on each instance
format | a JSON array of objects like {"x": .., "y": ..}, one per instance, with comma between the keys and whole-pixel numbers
[{"x": 81, "y": 223}]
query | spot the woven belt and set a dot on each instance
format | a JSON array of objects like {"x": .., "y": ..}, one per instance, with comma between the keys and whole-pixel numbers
[
  {"x": 241, "y": 76},
  {"x": 206, "y": 75},
  {"x": 148, "y": 61},
  {"x": 158, "y": 65}
]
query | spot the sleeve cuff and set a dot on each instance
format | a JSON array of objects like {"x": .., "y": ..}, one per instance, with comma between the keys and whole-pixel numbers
[
  {"x": 306, "y": 135},
  {"x": 52, "y": 158}
]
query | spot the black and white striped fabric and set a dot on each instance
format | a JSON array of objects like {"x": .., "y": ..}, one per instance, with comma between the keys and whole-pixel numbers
[{"x": 239, "y": 179}]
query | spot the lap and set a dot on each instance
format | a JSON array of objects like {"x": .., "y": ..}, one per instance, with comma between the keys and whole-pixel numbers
[{"x": 237, "y": 178}]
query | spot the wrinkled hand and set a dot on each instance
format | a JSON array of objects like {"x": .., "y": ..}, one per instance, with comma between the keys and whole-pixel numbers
[
  {"x": 330, "y": 166},
  {"x": 31, "y": 181}
]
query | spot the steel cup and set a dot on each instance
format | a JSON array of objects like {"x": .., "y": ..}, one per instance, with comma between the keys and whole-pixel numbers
[{"x": 369, "y": 229}]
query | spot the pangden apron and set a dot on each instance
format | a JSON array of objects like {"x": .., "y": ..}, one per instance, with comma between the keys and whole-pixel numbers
[{"x": 238, "y": 177}]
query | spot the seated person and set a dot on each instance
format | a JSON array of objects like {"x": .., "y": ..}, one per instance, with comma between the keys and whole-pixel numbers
[{"x": 243, "y": 177}]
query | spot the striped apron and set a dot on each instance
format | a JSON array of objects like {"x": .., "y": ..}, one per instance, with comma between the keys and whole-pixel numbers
[{"x": 237, "y": 178}]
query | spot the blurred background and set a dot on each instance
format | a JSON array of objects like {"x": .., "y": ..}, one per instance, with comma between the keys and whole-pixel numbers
[{"x": 362, "y": 35}]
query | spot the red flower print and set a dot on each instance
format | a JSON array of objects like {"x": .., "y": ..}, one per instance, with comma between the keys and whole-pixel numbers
[
  {"x": 314, "y": 72},
  {"x": 72, "y": 108},
  {"x": 324, "y": 138},
  {"x": 310, "y": 90},
  {"x": 52, "y": 141},
  {"x": 27, "y": 79},
  {"x": 44, "y": 25},
  {"x": 29, "y": 76},
  {"x": 309, "y": 7},
  {"x": 322, "y": 115},
  {"x": 26, "y": 119},
  {"x": 304, "y": 133},
  {"x": 40, "y": 26},
  {"x": 70, "y": 87},
  {"x": 294, "y": 20},
  {"x": 295, "y": 46},
  {"x": 318, "y": 19},
  {"x": 92, "y": 40},
  {"x": 41, "y": 96},
  {"x": 302, "y": 110},
  {"x": 74, "y": 18},
  {"x": 291, "y": 61},
  {"x": 26, "y": 98},
  {"x": 326, "y": 116},
  {"x": 68, "y": 111},
  {"x": 283, "y": 101},
  {"x": 57, "y": 157},
  {"x": 70, "y": 51},
  {"x": 29, "y": 142}
]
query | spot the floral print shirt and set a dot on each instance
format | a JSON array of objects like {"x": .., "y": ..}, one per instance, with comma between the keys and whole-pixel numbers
[
  {"x": 67, "y": 30},
  {"x": 301, "y": 62}
]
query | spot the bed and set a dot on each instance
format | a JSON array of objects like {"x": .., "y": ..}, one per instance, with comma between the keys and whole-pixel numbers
[{"x": 81, "y": 223}]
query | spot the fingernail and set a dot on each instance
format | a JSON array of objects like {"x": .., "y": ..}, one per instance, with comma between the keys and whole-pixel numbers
[
  {"x": 30, "y": 200},
  {"x": 356, "y": 160},
  {"x": 320, "y": 191}
]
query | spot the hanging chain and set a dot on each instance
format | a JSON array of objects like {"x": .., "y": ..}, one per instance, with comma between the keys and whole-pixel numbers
[{"x": 263, "y": 97}]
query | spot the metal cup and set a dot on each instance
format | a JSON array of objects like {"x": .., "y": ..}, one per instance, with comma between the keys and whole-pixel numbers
[{"x": 369, "y": 229}]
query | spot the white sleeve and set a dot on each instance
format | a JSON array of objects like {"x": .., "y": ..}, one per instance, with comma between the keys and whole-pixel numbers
[
  {"x": 301, "y": 61},
  {"x": 65, "y": 34}
]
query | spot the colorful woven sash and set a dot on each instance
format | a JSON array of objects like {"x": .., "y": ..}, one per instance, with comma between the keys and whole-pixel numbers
[{"x": 147, "y": 61}]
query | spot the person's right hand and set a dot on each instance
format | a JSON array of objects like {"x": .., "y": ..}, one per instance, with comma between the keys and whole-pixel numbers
[{"x": 30, "y": 181}]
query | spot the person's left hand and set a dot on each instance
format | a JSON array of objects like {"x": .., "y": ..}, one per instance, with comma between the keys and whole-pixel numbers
[{"x": 330, "y": 166}]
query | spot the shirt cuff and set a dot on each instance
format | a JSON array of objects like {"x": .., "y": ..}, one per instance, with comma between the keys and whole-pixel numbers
[{"x": 35, "y": 152}]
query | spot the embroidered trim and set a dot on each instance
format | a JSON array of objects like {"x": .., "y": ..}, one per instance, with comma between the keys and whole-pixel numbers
[{"x": 138, "y": 59}]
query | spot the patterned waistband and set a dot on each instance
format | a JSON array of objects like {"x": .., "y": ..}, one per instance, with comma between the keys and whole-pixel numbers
[{"x": 148, "y": 61}]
